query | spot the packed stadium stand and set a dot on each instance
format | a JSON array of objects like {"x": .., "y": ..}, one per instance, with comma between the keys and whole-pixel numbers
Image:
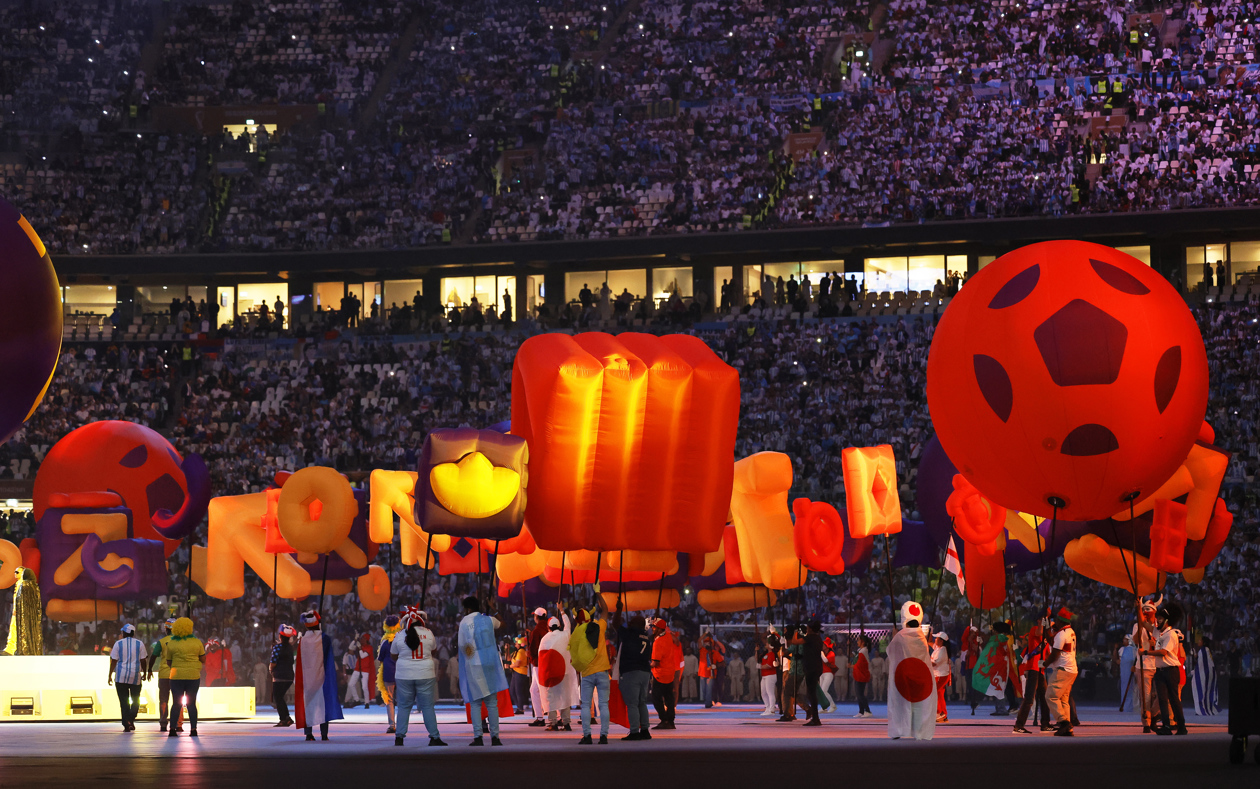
[{"x": 243, "y": 196}]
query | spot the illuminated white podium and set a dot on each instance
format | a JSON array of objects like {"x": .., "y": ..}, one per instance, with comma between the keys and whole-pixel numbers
[{"x": 74, "y": 687}]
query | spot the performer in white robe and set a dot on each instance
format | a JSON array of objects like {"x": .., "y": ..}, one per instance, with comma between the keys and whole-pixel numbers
[
  {"x": 911, "y": 686},
  {"x": 316, "y": 679},
  {"x": 557, "y": 681}
]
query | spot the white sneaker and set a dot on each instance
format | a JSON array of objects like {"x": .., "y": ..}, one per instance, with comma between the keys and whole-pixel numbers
[
  {"x": 868, "y": 715},
  {"x": 767, "y": 713},
  {"x": 859, "y": 715}
]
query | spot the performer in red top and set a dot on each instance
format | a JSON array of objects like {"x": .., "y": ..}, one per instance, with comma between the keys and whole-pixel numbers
[
  {"x": 862, "y": 676},
  {"x": 828, "y": 675},
  {"x": 769, "y": 677},
  {"x": 1035, "y": 651}
]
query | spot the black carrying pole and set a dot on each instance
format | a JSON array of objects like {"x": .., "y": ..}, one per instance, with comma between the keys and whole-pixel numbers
[
  {"x": 323, "y": 584},
  {"x": 491, "y": 572},
  {"x": 391, "y": 571},
  {"x": 936, "y": 596},
  {"x": 621, "y": 578},
  {"x": 275, "y": 596},
  {"x": 892, "y": 602},
  {"x": 660, "y": 593},
  {"x": 560, "y": 593},
  {"x": 428, "y": 553}
]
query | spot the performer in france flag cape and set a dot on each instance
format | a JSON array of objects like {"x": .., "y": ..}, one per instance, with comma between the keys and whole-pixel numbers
[{"x": 316, "y": 679}]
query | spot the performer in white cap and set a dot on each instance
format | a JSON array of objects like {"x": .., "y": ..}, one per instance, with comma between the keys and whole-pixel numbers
[
  {"x": 316, "y": 695},
  {"x": 557, "y": 680},
  {"x": 535, "y": 637},
  {"x": 911, "y": 688},
  {"x": 126, "y": 665}
]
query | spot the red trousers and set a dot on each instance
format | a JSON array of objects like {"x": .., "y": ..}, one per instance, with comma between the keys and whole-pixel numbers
[{"x": 941, "y": 684}]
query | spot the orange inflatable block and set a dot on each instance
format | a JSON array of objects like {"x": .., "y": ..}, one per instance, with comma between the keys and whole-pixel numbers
[
  {"x": 393, "y": 493},
  {"x": 985, "y": 575},
  {"x": 514, "y": 568},
  {"x": 1092, "y": 557},
  {"x": 640, "y": 600},
  {"x": 976, "y": 519},
  {"x": 763, "y": 525},
  {"x": 10, "y": 560},
  {"x": 739, "y": 598},
  {"x": 818, "y": 536},
  {"x": 1217, "y": 532},
  {"x": 235, "y": 538},
  {"x": 1168, "y": 537},
  {"x": 1207, "y": 465},
  {"x": 630, "y": 440},
  {"x": 870, "y": 490}
]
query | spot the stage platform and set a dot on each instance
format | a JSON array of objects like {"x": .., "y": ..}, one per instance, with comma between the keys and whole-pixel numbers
[
  {"x": 75, "y": 688},
  {"x": 731, "y": 746}
]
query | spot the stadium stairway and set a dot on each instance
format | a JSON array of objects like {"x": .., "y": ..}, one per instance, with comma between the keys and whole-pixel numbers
[{"x": 384, "y": 83}]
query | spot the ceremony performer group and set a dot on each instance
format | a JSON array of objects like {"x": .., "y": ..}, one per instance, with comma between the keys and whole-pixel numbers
[{"x": 610, "y": 670}]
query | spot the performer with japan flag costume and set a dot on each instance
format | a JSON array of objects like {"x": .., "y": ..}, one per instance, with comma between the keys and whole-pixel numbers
[
  {"x": 316, "y": 681},
  {"x": 912, "y": 688},
  {"x": 557, "y": 681}
]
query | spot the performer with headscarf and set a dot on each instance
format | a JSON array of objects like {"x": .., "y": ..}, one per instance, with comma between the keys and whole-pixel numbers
[
  {"x": 539, "y": 630},
  {"x": 1203, "y": 686},
  {"x": 26, "y": 631},
  {"x": 912, "y": 689},
  {"x": 557, "y": 681},
  {"x": 317, "y": 701},
  {"x": 481, "y": 676}
]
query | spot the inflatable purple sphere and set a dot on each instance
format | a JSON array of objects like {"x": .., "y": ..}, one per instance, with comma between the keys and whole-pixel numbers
[{"x": 30, "y": 323}]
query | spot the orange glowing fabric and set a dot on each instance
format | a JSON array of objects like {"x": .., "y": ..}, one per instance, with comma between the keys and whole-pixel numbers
[{"x": 631, "y": 440}]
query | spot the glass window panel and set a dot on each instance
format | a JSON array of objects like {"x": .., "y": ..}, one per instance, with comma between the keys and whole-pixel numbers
[
  {"x": 402, "y": 291},
  {"x": 721, "y": 275},
  {"x": 956, "y": 264},
  {"x": 985, "y": 260},
  {"x": 885, "y": 274},
  {"x": 250, "y": 298},
  {"x": 91, "y": 299},
  {"x": 925, "y": 271},
  {"x": 457, "y": 291},
  {"x": 666, "y": 281},
  {"x": 574, "y": 281},
  {"x": 1141, "y": 253},
  {"x": 328, "y": 294},
  {"x": 633, "y": 280},
  {"x": 1194, "y": 268}
]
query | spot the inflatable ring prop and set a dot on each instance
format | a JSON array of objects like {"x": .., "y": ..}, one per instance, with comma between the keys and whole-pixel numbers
[
  {"x": 324, "y": 526},
  {"x": 373, "y": 588},
  {"x": 10, "y": 560},
  {"x": 819, "y": 536}
]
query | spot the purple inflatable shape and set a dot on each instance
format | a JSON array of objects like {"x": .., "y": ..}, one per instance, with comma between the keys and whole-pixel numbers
[
  {"x": 146, "y": 579},
  {"x": 935, "y": 483},
  {"x": 857, "y": 555},
  {"x": 447, "y": 445},
  {"x": 1019, "y": 559},
  {"x": 537, "y": 594},
  {"x": 179, "y": 525},
  {"x": 916, "y": 547},
  {"x": 30, "y": 323}
]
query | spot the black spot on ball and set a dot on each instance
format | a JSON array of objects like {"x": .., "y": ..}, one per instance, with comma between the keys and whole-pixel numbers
[
  {"x": 1167, "y": 375},
  {"x": 1016, "y": 289},
  {"x": 995, "y": 385},
  {"x": 1090, "y": 440}
]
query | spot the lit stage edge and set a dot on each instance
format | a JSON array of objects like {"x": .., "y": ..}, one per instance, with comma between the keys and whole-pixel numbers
[{"x": 52, "y": 688}]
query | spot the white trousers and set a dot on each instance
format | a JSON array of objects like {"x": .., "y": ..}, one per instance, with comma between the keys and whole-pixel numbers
[
  {"x": 824, "y": 682},
  {"x": 535, "y": 693},
  {"x": 358, "y": 687},
  {"x": 767, "y": 691}
]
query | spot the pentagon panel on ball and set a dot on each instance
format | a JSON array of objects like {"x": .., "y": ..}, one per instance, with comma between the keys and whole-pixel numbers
[{"x": 1067, "y": 378}]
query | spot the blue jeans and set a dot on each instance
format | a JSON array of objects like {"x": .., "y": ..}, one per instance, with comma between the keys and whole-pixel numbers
[
  {"x": 411, "y": 691},
  {"x": 706, "y": 691},
  {"x": 602, "y": 681},
  {"x": 492, "y": 709}
]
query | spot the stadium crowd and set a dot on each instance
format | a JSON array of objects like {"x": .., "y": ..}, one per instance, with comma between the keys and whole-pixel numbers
[
  {"x": 491, "y": 121},
  {"x": 360, "y": 402}
]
